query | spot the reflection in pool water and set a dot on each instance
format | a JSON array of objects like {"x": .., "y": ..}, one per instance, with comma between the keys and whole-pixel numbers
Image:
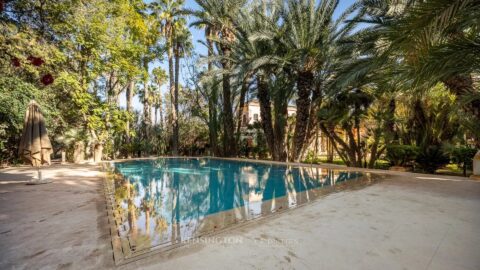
[{"x": 169, "y": 200}]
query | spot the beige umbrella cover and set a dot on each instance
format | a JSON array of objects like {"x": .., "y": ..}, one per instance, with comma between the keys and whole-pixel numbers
[{"x": 35, "y": 147}]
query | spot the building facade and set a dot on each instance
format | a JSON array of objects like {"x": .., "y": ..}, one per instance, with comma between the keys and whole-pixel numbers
[{"x": 251, "y": 112}]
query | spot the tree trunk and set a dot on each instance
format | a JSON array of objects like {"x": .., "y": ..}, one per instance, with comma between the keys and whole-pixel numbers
[
  {"x": 212, "y": 101},
  {"x": 375, "y": 152},
  {"x": 391, "y": 134},
  {"x": 358, "y": 140},
  {"x": 175, "y": 104},
  {"x": 160, "y": 108},
  {"x": 129, "y": 97},
  {"x": 349, "y": 154},
  {"x": 353, "y": 150},
  {"x": 228, "y": 126},
  {"x": 97, "y": 152},
  {"x": 147, "y": 110},
  {"x": 79, "y": 152},
  {"x": 266, "y": 113},
  {"x": 243, "y": 93},
  {"x": 313, "y": 119},
  {"x": 329, "y": 150},
  {"x": 280, "y": 128},
  {"x": 173, "y": 112},
  {"x": 213, "y": 125},
  {"x": 304, "y": 85}
]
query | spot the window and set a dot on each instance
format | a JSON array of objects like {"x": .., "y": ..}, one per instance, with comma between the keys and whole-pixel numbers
[{"x": 255, "y": 117}]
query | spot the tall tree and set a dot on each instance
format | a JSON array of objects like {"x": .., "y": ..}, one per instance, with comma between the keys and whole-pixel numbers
[
  {"x": 217, "y": 16},
  {"x": 129, "y": 93},
  {"x": 168, "y": 12},
  {"x": 181, "y": 47},
  {"x": 204, "y": 20},
  {"x": 161, "y": 78},
  {"x": 429, "y": 41},
  {"x": 255, "y": 58}
]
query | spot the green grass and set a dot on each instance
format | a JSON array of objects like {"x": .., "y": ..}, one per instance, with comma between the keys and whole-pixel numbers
[
  {"x": 382, "y": 164},
  {"x": 452, "y": 169},
  {"x": 322, "y": 159},
  {"x": 379, "y": 164}
]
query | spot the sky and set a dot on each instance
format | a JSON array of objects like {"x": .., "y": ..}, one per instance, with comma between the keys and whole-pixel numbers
[{"x": 198, "y": 35}]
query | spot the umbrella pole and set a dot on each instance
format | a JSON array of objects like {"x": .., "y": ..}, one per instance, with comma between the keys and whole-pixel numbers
[
  {"x": 39, "y": 173},
  {"x": 39, "y": 179}
]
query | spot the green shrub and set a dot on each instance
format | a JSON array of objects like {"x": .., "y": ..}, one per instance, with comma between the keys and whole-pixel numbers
[
  {"x": 463, "y": 157},
  {"x": 401, "y": 155},
  {"x": 432, "y": 157}
]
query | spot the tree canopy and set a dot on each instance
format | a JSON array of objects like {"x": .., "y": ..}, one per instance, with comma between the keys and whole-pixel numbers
[{"x": 384, "y": 80}]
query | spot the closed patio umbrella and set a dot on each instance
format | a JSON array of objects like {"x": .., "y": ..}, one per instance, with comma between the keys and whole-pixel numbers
[{"x": 35, "y": 146}]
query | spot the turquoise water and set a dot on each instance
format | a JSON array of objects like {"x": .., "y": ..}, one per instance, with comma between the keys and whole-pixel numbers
[{"x": 168, "y": 200}]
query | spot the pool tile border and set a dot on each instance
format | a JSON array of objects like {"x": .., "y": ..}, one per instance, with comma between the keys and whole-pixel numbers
[{"x": 122, "y": 249}]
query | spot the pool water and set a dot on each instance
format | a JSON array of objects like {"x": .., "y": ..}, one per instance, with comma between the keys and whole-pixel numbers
[{"x": 166, "y": 201}]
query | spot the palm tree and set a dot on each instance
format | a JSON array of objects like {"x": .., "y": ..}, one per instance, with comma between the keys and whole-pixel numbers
[
  {"x": 168, "y": 12},
  {"x": 146, "y": 100},
  {"x": 441, "y": 41},
  {"x": 425, "y": 41},
  {"x": 255, "y": 60},
  {"x": 160, "y": 77},
  {"x": 181, "y": 46},
  {"x": 204, "y": 21},
  {"x": 311, "y": 27},
  {"x": 304, "y": 43},
  {"x": 156, "y": 94},
  {"x": 216, "y": 16}
]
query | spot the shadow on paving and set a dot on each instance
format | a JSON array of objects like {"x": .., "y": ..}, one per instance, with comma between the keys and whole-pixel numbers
[{"x": 60, "y": 225}]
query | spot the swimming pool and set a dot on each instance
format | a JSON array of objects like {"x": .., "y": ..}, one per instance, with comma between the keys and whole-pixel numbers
[{"x": 166, "y": 201}]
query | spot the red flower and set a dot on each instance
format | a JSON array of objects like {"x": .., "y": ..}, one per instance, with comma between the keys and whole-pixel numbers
[
  {"x": 15, "y": 62},
  {"x": 36, "y": 61},
  {"x": 47, "y": 79}
]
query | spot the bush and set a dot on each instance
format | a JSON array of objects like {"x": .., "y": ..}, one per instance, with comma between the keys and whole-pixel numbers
[
  {"x": 432, "y": 157},
  {"x": 463, "y": 157},
  {"x": 401, "y": 155}
]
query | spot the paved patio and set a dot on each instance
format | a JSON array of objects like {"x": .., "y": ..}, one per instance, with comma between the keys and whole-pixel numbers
[{"x": 409, "y": 221}]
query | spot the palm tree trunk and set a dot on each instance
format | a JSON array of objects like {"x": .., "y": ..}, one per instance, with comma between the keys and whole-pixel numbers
[
  {"x": 175, "y": 104},
  {"x": 312, "y": 121},
  {"x": 147, "y": 111},
  {"x": 347, "y": 153},
  {"x": 358, "y": 142},
  {"x": 212, "y": 101},
  {"x": 173, "y": 112},
  {"x": 329, "y": 150},
  {"x": 280, "y": 128},
  {"x": 213, "y": 124},
  {"x": 228, "y": 126},
  {"x": 160, "y": 108},
  {"x": 304, "y": 85},
  {"x": 391, "y": 135},
  {"x": 266, "y": 113},
  {"x": 241, "y": 104}
]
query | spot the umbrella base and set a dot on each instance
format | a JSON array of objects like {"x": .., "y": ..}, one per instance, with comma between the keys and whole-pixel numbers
[{"x": 36, "y": 182}]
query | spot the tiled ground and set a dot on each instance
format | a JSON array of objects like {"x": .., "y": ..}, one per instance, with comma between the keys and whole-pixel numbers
[
  {"x": 408, "y": 222},
  {"x": 60, "y": 225}
]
